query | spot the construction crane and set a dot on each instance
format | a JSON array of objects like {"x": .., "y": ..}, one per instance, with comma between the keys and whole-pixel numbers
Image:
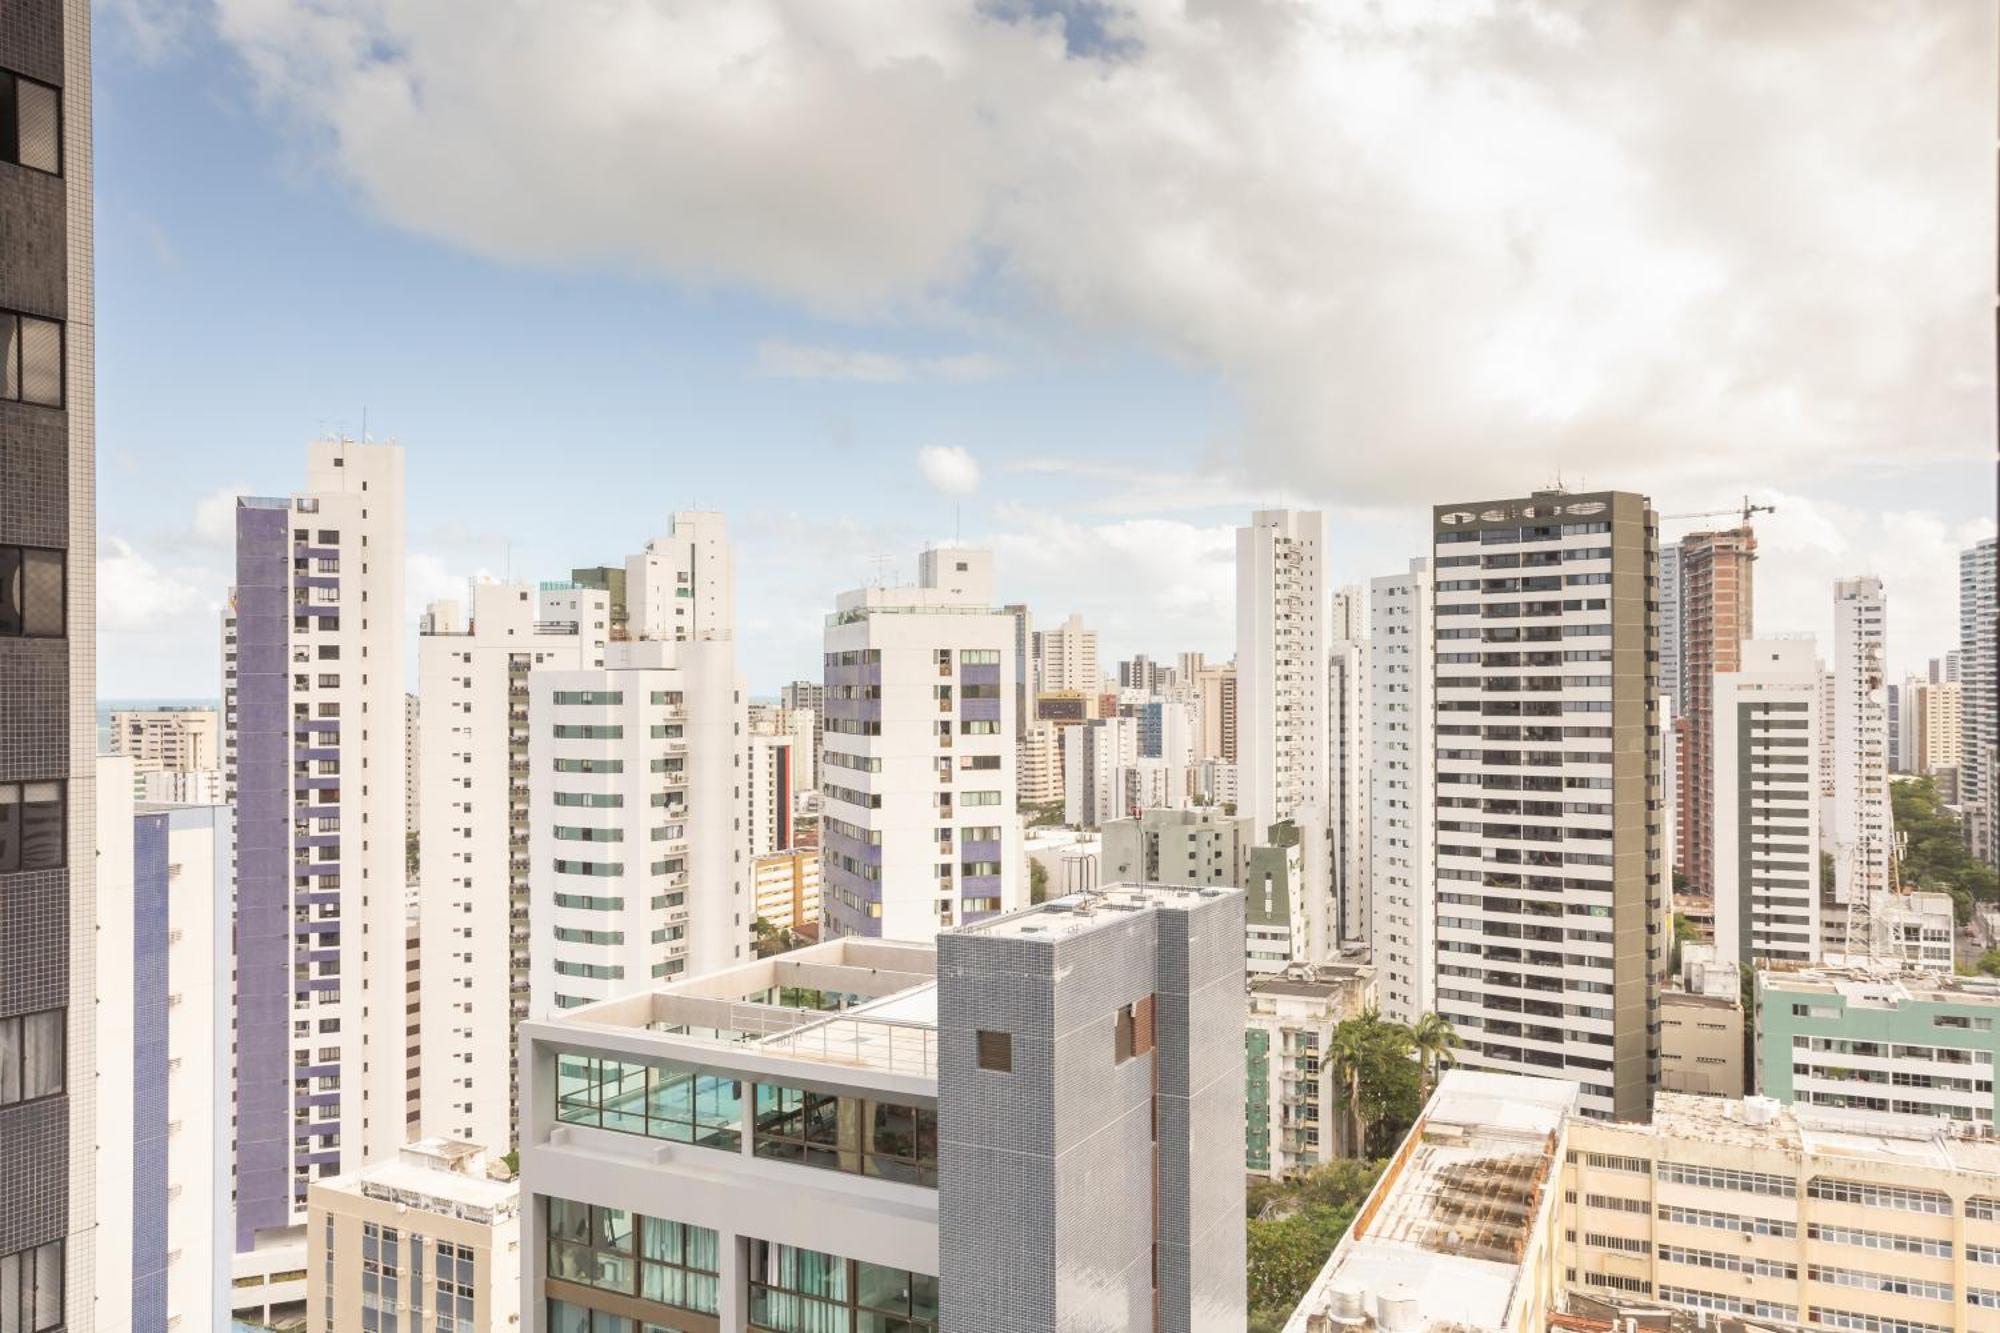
[{"x": 1743, "y": 514}]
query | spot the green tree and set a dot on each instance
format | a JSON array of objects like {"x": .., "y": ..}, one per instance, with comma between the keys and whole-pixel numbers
[
  {"x": 411, "y": 855},
  {"x": 1293, "y": 1226},
  {"x": 1434, "y": 1039},
  {"x": 1038, "y": 882},
  {"x": 768, "y": 939},
  {"x": 1381, "y": 1085},
  {"x": 1935, "y": 856},
  {"x": 1685, "y": 932}
]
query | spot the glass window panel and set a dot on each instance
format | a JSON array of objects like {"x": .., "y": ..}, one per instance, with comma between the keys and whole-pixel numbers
[
  {"x": 10, "y": 357},
  {"x": 569, "y": 1221},
  {"x": 10, "y": 589},
  {"x": 41, "y": 361},
  {"x": 614, "y": 1229},
  {"x": 10, "y": 1065},
  {"x": 43, "y": 1042},
  {"x": 567, "y": 1318},
  {"x": 662, "y": 1240},
  {"x": 48, "y": 1286},
  {"x": 883, "y": 1288},
  {"x": 41, "y": 826},
  {"x": 41, "y": 583},
  {"x": 572, "y": 1263},
  {"x": 668, "y": 1286},
  {"x": 38, "y": 121},
  {"x": 704, "y": 1249},
  {"x": 614, "y": 1272},
  {"x": 10, "y": 827}
]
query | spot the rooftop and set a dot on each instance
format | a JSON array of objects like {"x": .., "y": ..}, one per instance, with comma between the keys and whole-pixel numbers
[
  {"x": 1752, "y": 1122},
  {"x": 442, "y": 1176},
  {"x": 1079, "y": 913},
  {"x": 1884, "y": 986},
  {"x": 1452, "y": 1215}
]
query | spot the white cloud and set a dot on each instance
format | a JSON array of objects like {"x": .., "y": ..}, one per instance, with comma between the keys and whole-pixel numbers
[
  {"x": 777, "y": 359},
  {"x": 215, "y": 516},
  {"x": 948, "y": 468},
  {"x": 135, "y": 595},
  {"x": 1692, "y": 249}
]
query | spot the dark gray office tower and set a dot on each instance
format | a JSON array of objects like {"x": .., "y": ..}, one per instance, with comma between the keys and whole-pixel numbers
[
  {"x": 1090, "y": 1067},
  {"x": 47, "y": 672}
]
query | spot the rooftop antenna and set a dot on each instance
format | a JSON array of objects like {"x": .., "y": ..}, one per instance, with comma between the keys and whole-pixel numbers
[{"x": 881, "y": 563}]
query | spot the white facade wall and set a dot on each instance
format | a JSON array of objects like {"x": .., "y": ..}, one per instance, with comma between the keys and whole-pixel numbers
[
  {"x": 1282, "y": 610},
  {"x": 1347, "y": 783},
  {"x": 914, "y": 770},
  {"x": 1767, "y": 727},
  {"x": 473, "y": 783},
  {"x": 1860, "y": 840},
  {"x": 1095, "y": 756},
  {"x": 1068, "y": 657},
  {"x": 683, "y": 586},
  {"x": 769, "y": 777},
  {"x": 639, "y": 864},
  {"x": 1402, "y": 792}
]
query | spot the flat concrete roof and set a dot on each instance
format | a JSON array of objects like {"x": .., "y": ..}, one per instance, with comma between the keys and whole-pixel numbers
[{"x": 1078, "y": 913}]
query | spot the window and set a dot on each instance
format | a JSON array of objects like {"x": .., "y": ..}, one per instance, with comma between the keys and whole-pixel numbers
[
  {"x": 30, "y": 124},
  {"x": 888, "y": 1140},
  {"x": 30, "y": 360},
  {"x": 33, "y": 826},
  {"x": 996, "y": 1051},
  {"x": 31, "y": 1289},
  {"x": 32, "y": 590},
  {"x": 1134, "y": 1030},
  {"x": 662, "y": 1101},
  {"x": 591, "y": 697},
  {"x": 31, "y": 1056},
  {"x": 804, "y": 1291}
]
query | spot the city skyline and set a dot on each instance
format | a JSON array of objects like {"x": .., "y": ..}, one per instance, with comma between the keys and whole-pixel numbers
[{"x": 1099, "y": 435}]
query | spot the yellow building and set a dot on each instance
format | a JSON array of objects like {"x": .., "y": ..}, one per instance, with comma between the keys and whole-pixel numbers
[
  {"x": 425, "y": 1243},
  {"x": 787, "y": 887}
]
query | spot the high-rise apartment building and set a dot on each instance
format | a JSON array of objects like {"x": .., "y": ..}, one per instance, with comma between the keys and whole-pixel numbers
[
  {"x": 918, "y": 786},
  {"x": 808, "y": 696},
  {"x": 1978, "y": 637},
  {"x": 1040, "y": 763},
  {"x": 1901, "y": 715},
  {"x": 1027, "y": 667},
  {"x": 769, "y": 783},
  {"x": 413, "y": 785},
  {"x": 1068, "y": 657},
  {"x": 475, "y": 933},
  {"x": 1282, "y": 646},
  {"x": 48, "y": 655},
  {"x": 682, "y": 586},
  {"x": 1859, "y": 838},
  {"x": 1348, "y": 733},
  {"x": 1215, "y": 692},
  {"x": 167, "y": 740},
  {"x": 313, "y": 679},
  {"x": 787, "y": 887},
  {"x": 1766, "y": 836},
  {"x": 1551, "y": 857},
  {"x": 1295, "y": 1116},
  {"x": 1940, "y": 727},
  {"x": 1012, "y": 1129},
  {"x": 1715, "y": 618},
  {"x": 1202, "y": 847},
  {"x": 1402, "y": 791},
  {"x": 639, "y": 863},
  {"x": 163, "y": 1071},
  {"x": 1672, "y": 679},
  {"x": 1096, "y": 757}
]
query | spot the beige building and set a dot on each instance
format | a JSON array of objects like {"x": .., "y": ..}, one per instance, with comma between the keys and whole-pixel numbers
[
  {"x": 1041, "y": 764},
  {"x": 787, "y": 887},
  {"x": 1701, "y": 1026},
  {"x": 1802, "y": 1216},
  {"x": 166, "y": 740},
  {"x": 1940, "y": 726},
  {"x": 1295, "y": 1120},
  {"x": 1505, "y": 1209},
  {"x": 424, "y": 1243}
]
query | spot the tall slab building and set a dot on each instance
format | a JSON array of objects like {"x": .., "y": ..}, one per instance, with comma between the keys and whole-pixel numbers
[
  {"x": 1551, "y": 838},
  {"x": 1402, "y": 791},
  {"x": 1978, "y": 635},
  {"x": 313, "y": 736},
  {"x": 48, "y": 681},
  {"x": 1715, "y": 599},
  {"x": 1859, "y": 835}
]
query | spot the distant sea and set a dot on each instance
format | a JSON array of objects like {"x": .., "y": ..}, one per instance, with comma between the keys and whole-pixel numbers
[{"x": 105, "y": 708}]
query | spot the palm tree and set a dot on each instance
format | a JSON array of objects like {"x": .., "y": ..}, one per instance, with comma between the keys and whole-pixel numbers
[
  {"x": 1434, "y": 1039},
  {"x": 1348, "y": 1052}
]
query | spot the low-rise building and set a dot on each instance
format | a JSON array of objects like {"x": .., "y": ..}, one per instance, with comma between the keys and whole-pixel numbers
[
  {"x": 190, "y": 786},
  {"x": 997, "y": 1132},
  {"x": 1879, "y": 1040},
  {"x": 1701, "y": 1026},
  {"x": 1462, "y": 1234},
  {"x": 1292, "y": 1106},
  {"x": 426, "y": 1240}
]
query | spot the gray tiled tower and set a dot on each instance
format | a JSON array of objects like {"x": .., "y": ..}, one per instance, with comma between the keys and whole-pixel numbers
[
  {"x": 1096, "y": 1182},
  {"x": 47, "y": 657}
]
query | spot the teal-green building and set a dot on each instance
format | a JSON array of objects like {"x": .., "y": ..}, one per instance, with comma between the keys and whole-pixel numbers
[{"x": 1906, "y": 1044}]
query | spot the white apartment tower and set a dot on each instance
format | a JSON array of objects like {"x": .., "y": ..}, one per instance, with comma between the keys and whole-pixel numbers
[
  {"x": 769, "y": 780},
  {"x": 917, "y": 780},
  {"x": 1978, "y": 636},
  {"x": 1767, "y": 734},
  {"x": 1347, "y": 714},
  {"x": 1402, "y": 791},
  {"x": 474, "y": 931},
  {"x": 639, "y": 858},
  {"x": 1551, "y": 840},
  {"x": 1859, "y": 838},
  {"x": 1068, "y": 657},
  {"x": 313, "y": 738}
]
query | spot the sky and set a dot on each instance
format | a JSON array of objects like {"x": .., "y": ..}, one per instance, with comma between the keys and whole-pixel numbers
[{"x": 1082, "y": 282}]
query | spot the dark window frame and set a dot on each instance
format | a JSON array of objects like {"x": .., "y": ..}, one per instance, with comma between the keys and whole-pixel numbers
[
  {"x": 20, "y": 366},
  {"x": 20, "y": 554},
  {"x": 10, "y": 122}
]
